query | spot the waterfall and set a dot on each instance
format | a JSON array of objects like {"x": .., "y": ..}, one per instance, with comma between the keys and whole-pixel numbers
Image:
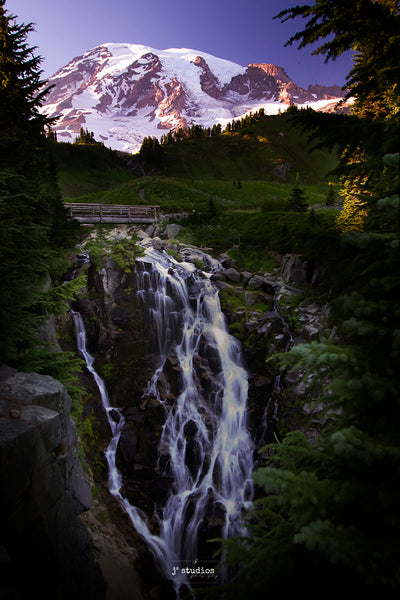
[{"x": 205, "y": 447}]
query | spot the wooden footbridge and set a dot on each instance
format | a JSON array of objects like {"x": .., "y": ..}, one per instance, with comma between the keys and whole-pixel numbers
[{"x": 88, "y": 213}]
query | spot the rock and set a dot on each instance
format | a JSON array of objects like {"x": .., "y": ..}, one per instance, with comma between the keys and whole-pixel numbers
[
  {"x": 294, "y": 269},
  {"x": 128, "y": 441},
  {"x": 32, "y": 388},
  {"x": 142, "y": 235},
  {"x": 226, "y": 261},
  {"x": 311, "y": 331},
  {"x": 265, "y": 329},
  {"x": 264, "y": 283},
  {"x": 147, "y": 241},
  {"x": 232, "y": 275},
  {"x": 245, "y": 276},
  {"x": 172, "y": 230},
  {"x": 158, "y": 243},
  {"x": 190, "y": 429},
  {"x": 300, "y": 389},
  {"x": 48, "y": 335},
  {"x": 134, "y": 414},
  {"x": 6, "y": 371},
  {"x": 150, "y": 230},
  {"x": 44, "y": 489}
]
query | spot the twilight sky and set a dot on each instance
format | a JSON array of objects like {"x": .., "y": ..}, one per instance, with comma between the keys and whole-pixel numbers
[{"x": 242, "y": 31}]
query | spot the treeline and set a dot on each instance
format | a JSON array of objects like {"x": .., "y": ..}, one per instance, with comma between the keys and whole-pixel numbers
[
  {"x": 86, "y": 137},
  {"x": 151, "y": 145}
]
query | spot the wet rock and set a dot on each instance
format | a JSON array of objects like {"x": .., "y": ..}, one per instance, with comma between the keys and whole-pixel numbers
[
  {"x": 190, "y": 429},
  {"x": 158, "y": 243},
  {"x": 142, "y": 235},
  {"x": 127, "y": 445},
  {"x": 134, "y": 414}
]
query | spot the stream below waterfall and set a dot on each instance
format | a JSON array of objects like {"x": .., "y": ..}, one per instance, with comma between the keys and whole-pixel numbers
[{"x": 205, "y": 448}]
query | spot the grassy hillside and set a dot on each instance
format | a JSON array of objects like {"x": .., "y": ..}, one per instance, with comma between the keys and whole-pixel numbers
[
  {"x": 270, "y": 149},
  {"x": 230, "y": 190},
  {"x": 83, "y": 169},
  {"x": 178, "y": 195}
]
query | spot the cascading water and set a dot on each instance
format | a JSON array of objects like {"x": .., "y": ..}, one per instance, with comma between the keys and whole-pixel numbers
[{"x": 205, "y": 447}]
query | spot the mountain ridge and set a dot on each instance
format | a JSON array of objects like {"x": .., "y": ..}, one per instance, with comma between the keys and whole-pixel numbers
[{"x": 125, "y": 92}]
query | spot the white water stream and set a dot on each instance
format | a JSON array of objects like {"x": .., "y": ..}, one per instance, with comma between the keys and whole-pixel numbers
[{"x": 185, "y": 317}]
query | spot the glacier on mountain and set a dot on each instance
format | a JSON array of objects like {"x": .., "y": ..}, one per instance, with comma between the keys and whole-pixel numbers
[{"x": 125, "y": 92}]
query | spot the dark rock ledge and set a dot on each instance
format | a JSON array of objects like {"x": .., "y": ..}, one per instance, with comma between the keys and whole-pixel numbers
[{"x": 45, "y": 550}]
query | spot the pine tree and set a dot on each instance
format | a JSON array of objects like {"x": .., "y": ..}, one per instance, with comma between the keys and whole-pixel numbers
[
  {"x": 326, "y": 520},
  {"x": 371, "y": 29},
  {"x": 33, "y": 221},
  {"x": 297, "y": 201},
  {"x": 330, "y": 198},
  {"x": 151, "y": 152}
]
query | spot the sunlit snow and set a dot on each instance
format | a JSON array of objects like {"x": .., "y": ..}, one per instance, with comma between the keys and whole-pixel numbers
[{"x": 93, "y": 91}]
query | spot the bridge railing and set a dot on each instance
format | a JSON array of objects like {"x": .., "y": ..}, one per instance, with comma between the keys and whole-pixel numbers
[{"x": 88, "y": 213}]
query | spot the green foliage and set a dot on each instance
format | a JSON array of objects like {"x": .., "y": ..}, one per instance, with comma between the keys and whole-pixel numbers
[
  {"x": 297, "y": 201},
  {"x": 57, "y": 298},
  {"x": 331, "y": 197},
  {"x": 151, "y": 152},
  {"x": 123, "y": 251},
  {"x": 328, "y": 512},
  {"x": 34, "y": 227},
  {"x": 86, "y": 137},
  {"x": 267, "y": 148},
  {"x": 371, "y": 29}
]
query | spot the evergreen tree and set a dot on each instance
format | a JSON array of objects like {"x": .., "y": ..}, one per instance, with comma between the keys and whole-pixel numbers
[
  {"x": 326, "y": 521},
  {"x": 33, "y": 226},
  {"x": 330, "y": 198},
  {"x": 297, "y": 201},
  {"x": 151, "y": 152},
  {"x": 371, "y": 29},
  {"x": 86, "y": 137}
]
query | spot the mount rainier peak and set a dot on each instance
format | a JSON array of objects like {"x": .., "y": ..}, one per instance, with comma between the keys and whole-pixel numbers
[{"x": 125, "y": 92}]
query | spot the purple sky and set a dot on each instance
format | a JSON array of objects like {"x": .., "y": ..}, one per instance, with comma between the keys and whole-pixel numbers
[{"x": 242, "y": 31}]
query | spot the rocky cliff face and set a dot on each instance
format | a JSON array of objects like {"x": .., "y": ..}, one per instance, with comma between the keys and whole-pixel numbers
[
  {"x": 261, "y": 310},
  {"x": 124, "y": 92},
  {"x": 121, "y": 340},
  {"x": 46, "y": 551}
]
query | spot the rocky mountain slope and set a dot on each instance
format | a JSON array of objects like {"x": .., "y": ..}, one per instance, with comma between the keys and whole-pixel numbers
[{"x": 124, "y": 92}]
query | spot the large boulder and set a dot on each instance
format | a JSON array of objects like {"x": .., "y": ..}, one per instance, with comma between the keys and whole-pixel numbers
[
  {"x": 172, "y": 230},
  {"x": 43, "y": 491}
]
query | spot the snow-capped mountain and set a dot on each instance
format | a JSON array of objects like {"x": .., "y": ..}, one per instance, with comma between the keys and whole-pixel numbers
[{"x": 124, "y": 92}]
